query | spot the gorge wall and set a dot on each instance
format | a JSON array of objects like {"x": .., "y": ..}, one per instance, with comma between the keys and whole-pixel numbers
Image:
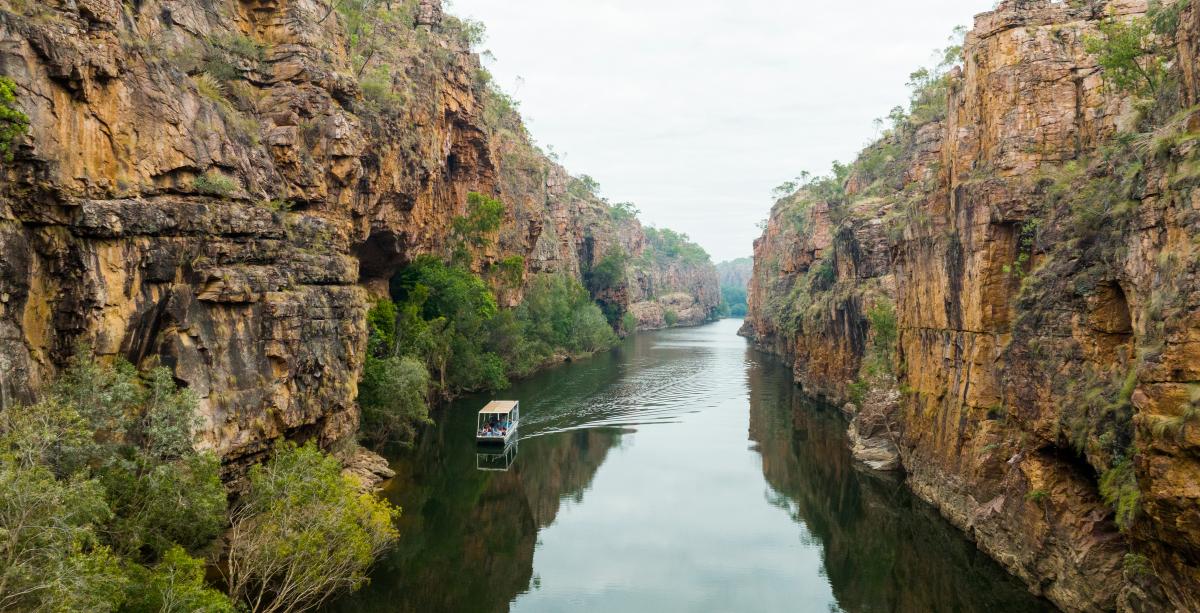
[
  {"x": 221, "y": 186},
  {"x": 1004, "y": 294}
]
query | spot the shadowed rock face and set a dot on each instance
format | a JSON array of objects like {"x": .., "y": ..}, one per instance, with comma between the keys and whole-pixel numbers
[
  {"x": 205, "y": 185},
  {"x": 1015, "y": 316}
]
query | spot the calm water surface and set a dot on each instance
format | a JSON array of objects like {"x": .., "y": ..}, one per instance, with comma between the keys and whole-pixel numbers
[{"x": 681, "y": 472}]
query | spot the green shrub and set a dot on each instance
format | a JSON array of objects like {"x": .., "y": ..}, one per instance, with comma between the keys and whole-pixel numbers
[
  {"x": 381, "y": 328},
  {"x": 558, "y": 314},
  {"x": 584, "y": 187},
  {"x": 175, "y": 584},
  {"x": 214, "y": 183},
  {"x": 111, "y": 455},
  {"x": 733, "y": 299},
  {"x": 671, "y": 317},
  {"x": 445, "y": 311},
  {"x": 393, "y": 395},
  {"x": 13, "y": 123},
  {"x": 609, "y": 273},
  {"x": 1119, "y": 487},
  {"x": 883, "y": 324},
  {"x": 663, "y": 245},
  {"x": 484, "y": 216},
  {"x": 1128, "y": 51},
  {"x": 512, "y": 270},
  {"x": 302, "y": 532},
  {"x": 858, "y": 392},
  {"x": 629, "y": 323},
  {"x": 54, "y": 558},
  {"x": 623, "y": 211}
]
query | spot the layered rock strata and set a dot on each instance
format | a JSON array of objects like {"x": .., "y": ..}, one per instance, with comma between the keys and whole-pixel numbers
[
  {"x": 1037, "y": 251},
  {"x": 221, "y": 187}
]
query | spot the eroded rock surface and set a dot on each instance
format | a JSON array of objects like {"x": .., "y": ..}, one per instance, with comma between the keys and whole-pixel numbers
[
  {"x": 1044, "y": 283},
  {"x": 211, "y": 186}
]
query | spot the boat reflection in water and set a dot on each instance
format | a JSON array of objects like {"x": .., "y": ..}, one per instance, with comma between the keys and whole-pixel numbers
[{"x": 496, "y": 460}]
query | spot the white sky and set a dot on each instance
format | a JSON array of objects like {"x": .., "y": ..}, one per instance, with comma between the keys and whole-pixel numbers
[{"x": 695, "y": 109}]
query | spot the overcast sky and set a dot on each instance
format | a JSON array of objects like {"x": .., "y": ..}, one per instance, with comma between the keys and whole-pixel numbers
[{"x": 695, "y": 109}]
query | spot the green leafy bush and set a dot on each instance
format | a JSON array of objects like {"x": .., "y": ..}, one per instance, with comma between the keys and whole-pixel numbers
[
  {"x": 609, "y": 273},
  {"x": 1119, "y": 487},
  {"x": 671, "y": 317},
  {"x": 54, "y": 557},
  {"x": 558, "y": 314},
  {"x": 623, "y": 211},
  {"x": 110, "y": 455},
  {"x": 472, "y": 230},
  {"x": 393, "y": 394},
  {"x": 303, "y": 532},
  {"x": 13, "y": 123},
  {"x": 666, "y": 244},
  {"x": 883, "y": 324},
  {"x": 629, "y": 323},
  {"x": 1130, "y": 52},
  {"x": 213, "y": 183},
  {"x": 174, "y": 584}
]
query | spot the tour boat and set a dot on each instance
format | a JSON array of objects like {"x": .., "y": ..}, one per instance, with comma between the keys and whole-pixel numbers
[{"x": 497, "y": 422}]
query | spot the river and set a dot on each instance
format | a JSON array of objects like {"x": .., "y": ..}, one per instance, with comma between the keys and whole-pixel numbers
[{"x": 682, "y": 471}]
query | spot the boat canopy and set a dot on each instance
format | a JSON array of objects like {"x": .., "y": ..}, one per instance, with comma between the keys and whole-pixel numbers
[{"x": 499, "y": 407}]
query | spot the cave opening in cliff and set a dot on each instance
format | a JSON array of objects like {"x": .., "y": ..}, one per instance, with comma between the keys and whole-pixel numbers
[
  {"x": 380, "y": 255},
  {"x": 1073, "y": 461}
]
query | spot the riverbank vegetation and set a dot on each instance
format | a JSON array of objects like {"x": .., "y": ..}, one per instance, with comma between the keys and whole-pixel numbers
[
  {"x": 441, "y": 331},
  {"x": 105, "y": 505},
  {"x": 443, "y": 334}
]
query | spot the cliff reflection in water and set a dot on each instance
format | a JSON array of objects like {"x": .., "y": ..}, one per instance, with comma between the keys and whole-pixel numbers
[
  {"x": 883, "y": 549},
  {"x": 634, "y": 490},
  {"x": 468, "y": 535}
]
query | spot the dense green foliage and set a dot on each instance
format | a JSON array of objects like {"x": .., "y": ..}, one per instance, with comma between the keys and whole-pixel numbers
[
  {"x": 445, "y": 335},
  {"x": 303, "y": 532},
  {"x": 670, "y": 317},
  {"x": 104, "y": 502},
  {"x": 622, "y": 211},
  {"x": 666, "y": 244},
  {"x": 472, "y": 230},
  {"x": 393, "y": 395},
  {"x": 174, "y": 584},
  {"x": 444, "y": 312},
  {"x": 97, "y": 480},
  {"x": 1131, "y": 52},
  {"x": 557, "y": 315},
  {"x": 13, "y": 123},
  {"x": 214, "y": 183},
  {"x": 1119, "y": 487},
  {"x": 609, "y": 273},
  {"x": 733, "y": 301}
]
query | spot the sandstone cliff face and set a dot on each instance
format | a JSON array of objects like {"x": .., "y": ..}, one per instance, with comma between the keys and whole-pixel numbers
[
  {"x": 672, "y": 291},
  {"x": 1043, "y": 277},
  {"x": 217, "y": 186}
]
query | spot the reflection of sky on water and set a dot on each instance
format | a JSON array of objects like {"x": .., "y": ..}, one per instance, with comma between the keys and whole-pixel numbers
[{"x": 680, "y": 472}]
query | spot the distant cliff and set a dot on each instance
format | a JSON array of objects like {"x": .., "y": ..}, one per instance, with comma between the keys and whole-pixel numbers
[
  {"x": 222, "y": 187},
  {"x": 1003, "y": 292},
  {"x": 734, "y": 276}
]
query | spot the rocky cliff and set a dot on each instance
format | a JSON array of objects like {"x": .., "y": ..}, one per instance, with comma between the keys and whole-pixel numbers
[
  {"x": 1004, "y": 292},
  {"x": 220, "y": 186},
  {"x": 672, "y": 282}
]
